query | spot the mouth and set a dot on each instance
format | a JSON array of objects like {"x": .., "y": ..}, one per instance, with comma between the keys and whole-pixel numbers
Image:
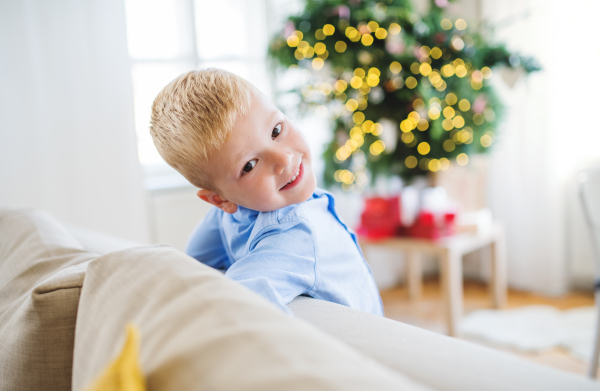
[{"x": 295, "y": 179}]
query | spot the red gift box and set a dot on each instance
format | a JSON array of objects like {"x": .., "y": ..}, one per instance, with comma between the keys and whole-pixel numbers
[
  {"x": 426, "y": 226},
  {"x": 380, "y": 218}
]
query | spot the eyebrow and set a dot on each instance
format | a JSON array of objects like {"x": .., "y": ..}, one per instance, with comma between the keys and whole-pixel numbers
[{"x": 270, "y": 121}]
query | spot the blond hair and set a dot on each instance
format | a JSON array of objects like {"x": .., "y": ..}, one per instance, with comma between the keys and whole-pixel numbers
[{"x": 192, "y": 118}]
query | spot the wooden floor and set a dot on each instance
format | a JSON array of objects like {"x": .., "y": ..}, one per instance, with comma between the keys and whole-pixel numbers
[{"x": 428, "y": 313}]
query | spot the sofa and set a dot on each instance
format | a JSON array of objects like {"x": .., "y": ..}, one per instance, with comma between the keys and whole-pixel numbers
[{"x": 67, "y": 295}]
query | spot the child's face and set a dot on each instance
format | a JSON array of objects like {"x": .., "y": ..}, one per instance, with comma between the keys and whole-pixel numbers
[{"x": 264, "y": 165}]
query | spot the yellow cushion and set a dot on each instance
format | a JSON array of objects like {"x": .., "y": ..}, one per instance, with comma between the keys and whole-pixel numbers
[{"x": 124, "y": 373}]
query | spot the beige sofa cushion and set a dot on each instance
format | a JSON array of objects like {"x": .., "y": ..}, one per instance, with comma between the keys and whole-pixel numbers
[
  {"x": 201, "y": 331},
  {"x": 437, "y": 360},
  {"x": 41, "y": 272}
]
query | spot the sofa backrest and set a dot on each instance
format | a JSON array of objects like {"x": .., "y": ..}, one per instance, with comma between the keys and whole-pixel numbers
[{"x": 201, "y": 331}]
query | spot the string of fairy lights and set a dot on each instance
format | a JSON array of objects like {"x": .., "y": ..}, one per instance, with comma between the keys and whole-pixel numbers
[{"x": 438, "y": 99}]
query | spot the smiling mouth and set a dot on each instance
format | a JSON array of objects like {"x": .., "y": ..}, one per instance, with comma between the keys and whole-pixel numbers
[{"x": 295, "y": 179}]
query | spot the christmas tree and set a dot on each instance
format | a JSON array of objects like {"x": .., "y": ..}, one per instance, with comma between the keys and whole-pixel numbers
[{"x": 407, "y": 94}]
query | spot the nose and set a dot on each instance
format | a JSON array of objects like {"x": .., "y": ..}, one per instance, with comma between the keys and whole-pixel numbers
[{"x": 281, "y": 160}]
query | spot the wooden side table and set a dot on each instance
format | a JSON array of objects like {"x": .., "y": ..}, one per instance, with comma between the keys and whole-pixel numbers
[{"x": 449, "y": 251}]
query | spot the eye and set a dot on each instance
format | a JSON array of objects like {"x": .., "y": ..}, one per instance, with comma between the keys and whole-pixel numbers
[
  {"x": 249, "y": 166},
  {"x": 276, "y": 131}
]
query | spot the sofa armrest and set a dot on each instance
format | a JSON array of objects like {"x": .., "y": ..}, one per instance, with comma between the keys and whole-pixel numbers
[{"x": 437, "y": 360}]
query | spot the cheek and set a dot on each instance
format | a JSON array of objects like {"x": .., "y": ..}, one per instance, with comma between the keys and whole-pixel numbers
[{"x": 301, "y": 143}]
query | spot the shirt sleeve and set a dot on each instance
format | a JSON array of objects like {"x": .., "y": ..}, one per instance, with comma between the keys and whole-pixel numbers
[
  {"x": 206, "y": 245},
  {"x": 280, "y": 265}
]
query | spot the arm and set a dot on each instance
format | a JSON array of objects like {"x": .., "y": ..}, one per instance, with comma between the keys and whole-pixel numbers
[
  {"x": 280, "y": 266},
  {"x": 205, "y": 243}
]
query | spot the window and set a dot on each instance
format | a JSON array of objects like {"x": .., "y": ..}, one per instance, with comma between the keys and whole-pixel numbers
[{"x": 169, "y": 37}]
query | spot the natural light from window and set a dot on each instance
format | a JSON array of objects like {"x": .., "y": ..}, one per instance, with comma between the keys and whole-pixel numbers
[{"x": 169, "y": 37}]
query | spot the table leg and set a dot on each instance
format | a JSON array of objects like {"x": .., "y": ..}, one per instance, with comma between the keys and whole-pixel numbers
[
  {"x": 451, "y": 276},
  {"x": 498, "y": 277},
  {"x": 414, "y": 274}
]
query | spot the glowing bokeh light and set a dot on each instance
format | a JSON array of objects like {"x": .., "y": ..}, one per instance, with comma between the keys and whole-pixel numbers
[
  {"x": 449, "y": 112},
  {"x": 434, "y": 113},
  {"x": 356, "y": 82},
  {"x": 434, "y": 165},
  {"x": 486, "y": 72},
  {"x": 318, "y": 63},
  {"x": 444, "y": 163},
  {"x": 485, "y": 140},
  {"x": 377, "y": 147},
  {"x": 407, "y": 137},
  {"x": 377, "y": 129},
  {"x": 352, "y": 105},
  {"x": 411, "y": 162},
  {"x": 446, "y": 24},
  {"x": 406, "y": 126},
  {"x": 423, "y": 148},
  {"x": 458, "y": 121},
  {"x": 359, "y": 72},
  {"x": 411, "y": 82},
  {"x": 395, "y": 67},
  {"x": 457, "y": 43},
  {"x": 358, "y": 117},
  {"x": 447, "y": 124},
  {"x": 380, "y": 33},
  {"x": 451, "y": 98},
  {"x": 425, "y": 69},
  {"x": 462, "y": 159},
  {"x": 367, "y": 40},
  {"x": 448, "y": 70},
  {"x": 414, "y": 117},
  {"x": 418, "y": 104},
  {"x": 478, "y": 119},
  {"x": 340, "y": 46},
  {"x": 464, "y": 105},
  {"x": 449, "y": 146},
  {"x": 460, "y": 24},
  {"x": 415, "y": 68},
  {"x": 320, "y": 48},
  {"x": 293, "y": 41},
  {"x": 395, "y": 28},
  {"x": 367, "y": 126},
  {"x": 328, "y": 29},
  {"x": 373, "y": 26}
]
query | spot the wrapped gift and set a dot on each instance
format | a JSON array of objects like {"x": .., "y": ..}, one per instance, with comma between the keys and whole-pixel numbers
[
  {"x": 426, "y": 213},
  {"x": 431, "y": 226},
  {"x": 380, "y": 218}
]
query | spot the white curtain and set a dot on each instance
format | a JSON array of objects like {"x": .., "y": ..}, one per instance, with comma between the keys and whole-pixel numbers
[
  {"x": 67, "y": 138},
  {"x": 550, "y": 132}
]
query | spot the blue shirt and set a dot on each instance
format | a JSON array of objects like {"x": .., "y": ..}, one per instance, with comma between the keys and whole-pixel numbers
[{"x": 302, "y": 249}]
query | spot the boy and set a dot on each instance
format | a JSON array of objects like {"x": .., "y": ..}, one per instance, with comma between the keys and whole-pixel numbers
[{"x": 271, "y": 229}]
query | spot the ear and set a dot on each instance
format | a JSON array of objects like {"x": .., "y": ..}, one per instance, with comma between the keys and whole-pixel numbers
[{"x": 214, "y": 199}]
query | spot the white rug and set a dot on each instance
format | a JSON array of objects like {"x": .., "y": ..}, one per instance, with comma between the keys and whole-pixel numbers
[{"x": 534, "y": 328}]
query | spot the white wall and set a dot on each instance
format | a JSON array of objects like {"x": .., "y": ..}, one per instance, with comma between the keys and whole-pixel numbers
[{"x": 548, "y": 136}]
